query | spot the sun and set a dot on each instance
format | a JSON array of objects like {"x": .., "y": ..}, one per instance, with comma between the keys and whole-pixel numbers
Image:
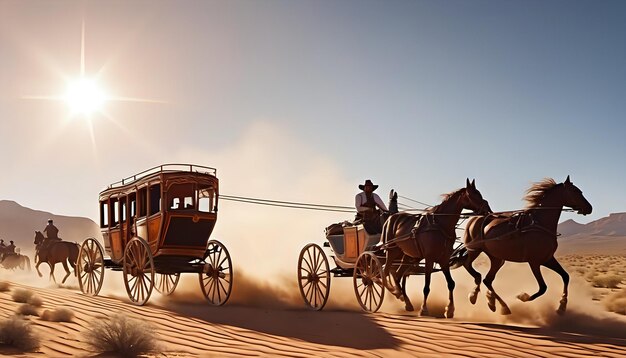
[{"x": 84, "y": 97}]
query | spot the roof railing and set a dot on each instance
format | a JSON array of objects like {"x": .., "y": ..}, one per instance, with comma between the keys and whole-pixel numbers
[{"x": 165, "y": 168}]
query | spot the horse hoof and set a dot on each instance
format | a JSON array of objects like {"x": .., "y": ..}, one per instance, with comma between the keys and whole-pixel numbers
[
  {"x": 524, "y": 297},
  {"x": 424, "y": 312},
  {"x": 409, "y": 308},
  {"x": 492, "y": 306},
  {"x": 472, "y": 298},
  {"x": 505, "y": 311}
]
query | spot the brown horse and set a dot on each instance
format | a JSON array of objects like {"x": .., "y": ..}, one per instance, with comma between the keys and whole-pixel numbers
[
  {"x": 53, "y": 252},
  {"x": 430, "y": 238},
  {"x": 524, "y": 236},
  {"x": 11, "y": 261}
]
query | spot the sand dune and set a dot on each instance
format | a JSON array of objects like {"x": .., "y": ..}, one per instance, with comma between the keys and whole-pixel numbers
[{"x": 274, "y": 324}]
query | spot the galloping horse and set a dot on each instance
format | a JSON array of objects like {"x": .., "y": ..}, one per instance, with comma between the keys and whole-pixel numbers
[
  {"x": 54, "y": 252},
  {"x": 432, "y": 240},
  {"x": 525, "y": 236},
  {"x": 12, "y": 261}
]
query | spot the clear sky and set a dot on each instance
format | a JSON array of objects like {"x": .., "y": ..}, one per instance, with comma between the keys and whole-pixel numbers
[{"x": 304, "y": 100}]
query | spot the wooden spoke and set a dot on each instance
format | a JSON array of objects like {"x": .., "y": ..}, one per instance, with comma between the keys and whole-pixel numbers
[
  {"x": 138, "y": 271},
  {"x": 216, "y": 277},
  {"x": 90, "y": 267},
  {"x": 165, "y": 284},
  {"x": 313, "y": 276},
  {"x": 368, "y": 282}
]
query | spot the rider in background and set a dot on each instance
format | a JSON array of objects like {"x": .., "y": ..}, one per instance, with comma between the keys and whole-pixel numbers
[
  {"x": 2, "y": 244},
  {"x": 367, "y": 204},
  {"x": 51, "y": 231},
  {"x": 11, "y": 248}
]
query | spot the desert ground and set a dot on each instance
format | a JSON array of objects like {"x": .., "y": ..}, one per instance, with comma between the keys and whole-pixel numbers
[{"x": 268, "y": 319}]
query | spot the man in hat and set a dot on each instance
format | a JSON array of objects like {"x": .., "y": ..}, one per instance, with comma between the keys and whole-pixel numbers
[
  {"x": 367, "y": 205},
  {"x": 51, "y": 231},
  {"x": 11, "y": 248}
]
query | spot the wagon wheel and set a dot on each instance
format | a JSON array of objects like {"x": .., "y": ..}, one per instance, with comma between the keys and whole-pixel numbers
[
  {"x": 165, "y": 283},
  {"x": 313, "y": 276},
  {"x": 368, "y": 282},
  {"x": 216, "y": 278},
  {"x": 138, "y": 271},
  {"x": 90, "y": 267}
]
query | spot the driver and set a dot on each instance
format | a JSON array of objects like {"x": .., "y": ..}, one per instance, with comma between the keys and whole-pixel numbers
[
  {"x": 368, "y": 205},
  {"x": 51, "y": 231}
]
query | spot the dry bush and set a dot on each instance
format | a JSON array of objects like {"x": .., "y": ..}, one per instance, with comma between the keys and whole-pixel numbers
[
  {"x": 21, "y": 295},
  {"x": 122, "y": 337},
  {"x": 5, "y": 286},
  {"x": 617, "y": 302},
  {"x": 27, "y": 310},
  {"x": 58, "y": 315},
  {"x": 606, "y": 281},
  {"x": 35, "y": 301},
  {"x": 17, "y": 333}
]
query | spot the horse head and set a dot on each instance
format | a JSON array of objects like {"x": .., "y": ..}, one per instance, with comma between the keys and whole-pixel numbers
[
  {"x": 38, "y": 238},
  {"x": 472, "y": 199},
  {"x": 573, "y": 198}
]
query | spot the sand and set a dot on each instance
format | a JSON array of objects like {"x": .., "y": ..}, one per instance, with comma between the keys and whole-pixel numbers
[{"x": 186, "y": 326}]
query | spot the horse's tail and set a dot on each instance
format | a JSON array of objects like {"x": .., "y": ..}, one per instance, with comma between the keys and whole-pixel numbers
[{"x": 26, "y": 262}]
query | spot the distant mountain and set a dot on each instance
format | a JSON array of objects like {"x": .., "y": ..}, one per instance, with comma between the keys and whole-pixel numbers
[
  {"x": 19, "y": 223},
  {"x": 606, "y": 235}
]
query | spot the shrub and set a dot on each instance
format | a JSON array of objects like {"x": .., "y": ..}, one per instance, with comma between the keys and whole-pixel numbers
[
  {"x": 35, "y": 301},
  {"x": 5, "y": 286},
  {"x": 21, "y": 295},
  {"x": 17, "y": 333},
  {"x": 27, "y": 310},
  {"x": 617, "y": 302},
  {"x": 606, "y": 281},
  {"x": 122, "y": 336},
  {"x": 58, "y": 315}
]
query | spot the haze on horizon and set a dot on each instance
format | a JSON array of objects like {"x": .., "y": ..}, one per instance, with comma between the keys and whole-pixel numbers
[{"x": 305, "y": 100}]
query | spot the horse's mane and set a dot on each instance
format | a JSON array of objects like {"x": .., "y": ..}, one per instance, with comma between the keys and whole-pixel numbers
[
  {"x": 445, "y": 198},
  {"x": 537, "y": 191}
]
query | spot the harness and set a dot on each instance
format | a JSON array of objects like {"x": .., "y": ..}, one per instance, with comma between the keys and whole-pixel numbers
[{"x": 430, "y": 225}]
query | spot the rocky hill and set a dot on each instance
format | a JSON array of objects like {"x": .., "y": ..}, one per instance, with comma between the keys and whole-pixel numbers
[
  {"x": 19, "y": 223},
  {"x": 603, "y": 236}
]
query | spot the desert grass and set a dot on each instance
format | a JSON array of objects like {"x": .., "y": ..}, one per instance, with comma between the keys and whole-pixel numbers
[
  {"x": 58, "y": 315},
  {"x": 21, "y": 295},
  {"x": 5, "y": 286},
  {"x": 35, "y": 301},
  {"x": 606, "y": 281},
  {"x": 617, "y": 302},
  {"x": 122, "y": 337},
  {"x": 28, "y": 310},
  {"x": 17, "y": 333}
]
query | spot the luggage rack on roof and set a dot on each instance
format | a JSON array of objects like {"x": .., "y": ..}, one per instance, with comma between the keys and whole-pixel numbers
[{"x": 165, "y": 168}]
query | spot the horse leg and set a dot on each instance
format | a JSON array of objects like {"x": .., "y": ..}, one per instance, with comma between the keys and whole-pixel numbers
[
  {"x": 492, "y": 296},
  {"x": 407, "y": 302},
  {"x": 391, "y": 257},
  {"x": 37, "y": 268},
  {"x": 471, "y": 256},
  {"x": 52, "y": 272},
  {"x": 536, "y": 269},
  {"x": 428, "y": 269},
  {"x": 449, "y": 313},
  {"x": 67, "y": 271},
  {"x": 555, "y": 266}
]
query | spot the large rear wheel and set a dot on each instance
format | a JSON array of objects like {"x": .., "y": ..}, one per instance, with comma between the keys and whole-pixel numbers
[
  {"x": 313, "y": 276},
  {"x": 165, "y": 283},
  {"x": 90, "y": 267},
  {"x": 138, "y": 271},
  {"x": 216, "y": 278},
  {"x": 368, "y": 282}
]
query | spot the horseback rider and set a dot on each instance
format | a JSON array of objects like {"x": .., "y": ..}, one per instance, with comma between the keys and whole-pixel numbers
[
  {"x": 10, "y": 250},
  {"x": 2, "y": 244},
  {"x": 369, "y": 205},
  {"x": 51, "y": 231}
]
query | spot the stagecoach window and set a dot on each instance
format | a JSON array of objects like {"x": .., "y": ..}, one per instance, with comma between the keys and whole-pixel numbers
[
  {"x": 206, "y": 199},
  {"x": 133, "y": 204},
  {"x": 155, "y": 199},
  {"x": 122, "y": 208},
  {"x": 188, "y": 202},
  {"x": 104, "y": 214},
  {"x": 175, "y": 204},
  {"x": 115, "y": 212},
  {"x": 143, "y": 201}
]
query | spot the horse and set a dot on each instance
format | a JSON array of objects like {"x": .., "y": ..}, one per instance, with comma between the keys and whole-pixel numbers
[
  {"x": 53, "y": 252},
  {"x": 525, "y": 236},
  {"x": 431, "y": 237},
  {"x": 11, "y": 261}
]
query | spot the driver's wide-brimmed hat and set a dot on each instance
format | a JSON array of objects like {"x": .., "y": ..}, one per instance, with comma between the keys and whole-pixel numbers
[{"x": 368, "y": 182}]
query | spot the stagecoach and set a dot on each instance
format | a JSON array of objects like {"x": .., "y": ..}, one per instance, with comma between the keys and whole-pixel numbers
[
  {"x": 156, "y": 225},
  {"x": 362, "y": 256}
]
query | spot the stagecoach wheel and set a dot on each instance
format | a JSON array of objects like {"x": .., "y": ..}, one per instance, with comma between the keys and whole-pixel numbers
[
  {"x": 313, "y": 276},
  {"x": 165, "y": 283},
  {"x": 90, "y": 267},
  {"x": 368, "y": 282},
  {"x": 216, "y": 278},
  {"x": 138, "y": 271}
]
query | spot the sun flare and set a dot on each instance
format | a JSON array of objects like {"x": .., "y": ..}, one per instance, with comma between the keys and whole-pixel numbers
[{"x": 84, "y": 96}]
